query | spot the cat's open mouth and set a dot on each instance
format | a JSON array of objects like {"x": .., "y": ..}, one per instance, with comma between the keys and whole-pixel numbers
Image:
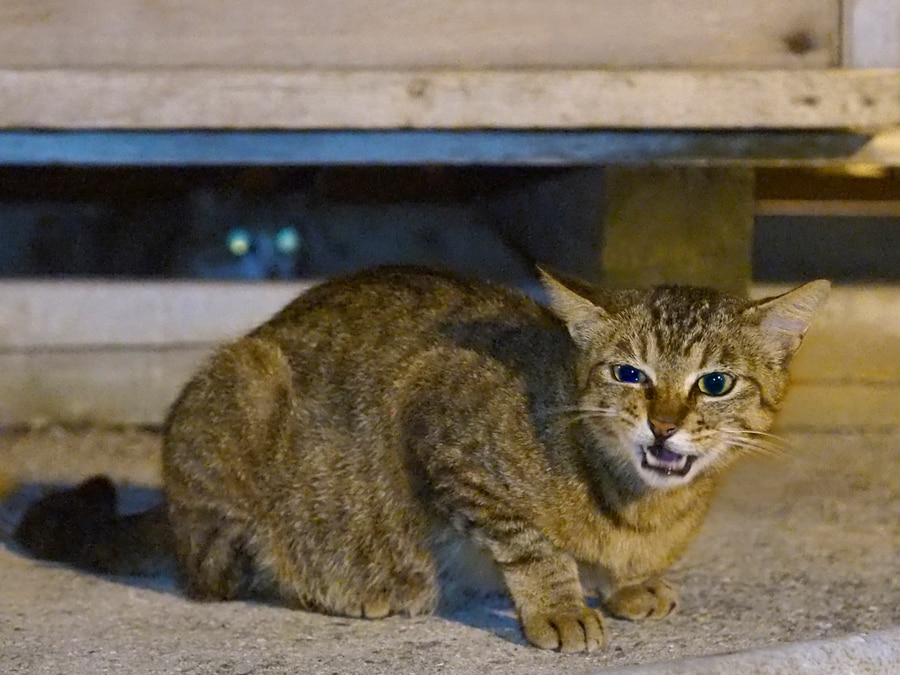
[{"x": 667, "y": 462}]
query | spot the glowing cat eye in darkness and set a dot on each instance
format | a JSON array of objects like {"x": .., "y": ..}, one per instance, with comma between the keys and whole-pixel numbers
[
  {"x": 628, "y": 374},
  {"x": 287, "y": 240},
  {"x": 715, "y": 384},
  {"x": 239, "y": 242}
]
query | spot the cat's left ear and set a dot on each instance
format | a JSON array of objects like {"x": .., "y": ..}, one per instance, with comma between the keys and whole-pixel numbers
[
  {"x": 786, "y": 318},
  {"x": 582, "y": 317}
]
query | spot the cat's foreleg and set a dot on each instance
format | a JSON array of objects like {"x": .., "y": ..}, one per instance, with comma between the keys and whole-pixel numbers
[{"x": 544, "y": 584}]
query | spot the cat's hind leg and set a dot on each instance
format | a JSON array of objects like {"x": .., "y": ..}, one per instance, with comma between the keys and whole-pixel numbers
[
  {"x": 230, "y": 417},
  {"x": 214, "y": 558},
  {"x": 653, "y": 599},
  {"x": 364, "y": 566}
]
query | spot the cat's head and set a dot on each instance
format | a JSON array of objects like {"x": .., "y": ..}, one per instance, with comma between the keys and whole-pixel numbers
[
  {"x": 674, "y": 382},
  {"x": 235, "y": 236}
]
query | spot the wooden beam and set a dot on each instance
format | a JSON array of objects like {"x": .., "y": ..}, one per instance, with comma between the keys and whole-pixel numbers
[
  {"x": 51, "y": 378},
  {"x": 871, "y": 33},
  {"x": 684, "y": 225},
  {"x": 832, "y": 183},
  {"x": 844, "y": 208},
  {"x": 96, "y": 315},
  {"x": 133, "y": 385},
  {"x": 497, "y": 147},
  {"x": 349, "y": 34},
  {"x": 196, "y": 98}
]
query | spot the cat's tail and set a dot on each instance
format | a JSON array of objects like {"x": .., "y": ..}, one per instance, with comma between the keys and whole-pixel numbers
[{"x": 81, "y": 526}]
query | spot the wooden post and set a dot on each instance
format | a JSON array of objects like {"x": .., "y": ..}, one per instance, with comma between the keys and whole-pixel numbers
[
  {"x": 871, "y": 34},
  {"x": 686, "y": 225}
]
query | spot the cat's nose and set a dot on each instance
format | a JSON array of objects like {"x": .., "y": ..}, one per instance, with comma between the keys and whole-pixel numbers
[{"x": 661, "y": 428}]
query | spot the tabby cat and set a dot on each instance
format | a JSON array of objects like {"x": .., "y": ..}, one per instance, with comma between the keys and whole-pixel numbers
[{"x": 397, "y": 440}]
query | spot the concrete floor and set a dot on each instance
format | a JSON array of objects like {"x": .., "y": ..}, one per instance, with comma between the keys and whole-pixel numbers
[{"x": 796, "y": 549}]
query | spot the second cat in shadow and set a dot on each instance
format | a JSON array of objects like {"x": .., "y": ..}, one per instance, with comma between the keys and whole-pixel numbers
[{"x": 231, "y": 235}]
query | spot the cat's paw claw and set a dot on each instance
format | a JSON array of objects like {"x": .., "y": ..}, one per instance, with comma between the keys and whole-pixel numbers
[
  {"x": 573, "y": 630},
  {"x": 654, "y": 599}
]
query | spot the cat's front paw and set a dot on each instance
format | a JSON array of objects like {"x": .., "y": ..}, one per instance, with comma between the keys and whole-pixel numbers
[
  {"x": 653, "y": 599},
  {"x": 576, "y": 629}
]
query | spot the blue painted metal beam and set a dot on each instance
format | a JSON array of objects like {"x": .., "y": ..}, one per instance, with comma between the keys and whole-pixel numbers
[{"x": 409, "y": 147}]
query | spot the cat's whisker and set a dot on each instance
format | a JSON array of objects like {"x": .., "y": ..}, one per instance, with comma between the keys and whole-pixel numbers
[
  {"x": 760, "y": 449},
  {"x": 753, "y": 432},
  {"x": 751, "y": 440},
  {"x": 757, "y": 442}
]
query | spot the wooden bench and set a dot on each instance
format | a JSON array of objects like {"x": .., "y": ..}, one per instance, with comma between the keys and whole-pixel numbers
[
  {"x": 573, "y": 82},
  {"x": 679, "y": 100}
]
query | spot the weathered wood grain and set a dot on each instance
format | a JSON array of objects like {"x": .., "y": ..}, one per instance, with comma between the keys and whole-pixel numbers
[
  {"x": 190, "y": 98},
  {"x": 93, "y": 315},
  {"x": 871, "y": 34},
  {"x": 419, "y": 33}
]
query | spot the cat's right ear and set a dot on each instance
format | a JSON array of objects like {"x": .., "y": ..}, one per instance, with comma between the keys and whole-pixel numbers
[
  {"x": 785, "y": 319},
  {"x": 582, "y": 317}
]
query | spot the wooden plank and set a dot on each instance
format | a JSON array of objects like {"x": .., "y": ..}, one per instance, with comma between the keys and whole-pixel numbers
[
  {"x": 684, "y": 225},
  {"x": 846, "y": 208},
  {"x": 829, "y": 183},
  {"x": 419, "y": 33},
  {"x": 191, "y": 98},
  {"x": 406, "y": 148},
  {"x": 136, "y": 386},
  {"x": 860, "y": 323},
  {"x": 846, "y": 374},
  {"x": 41, "y": 316},
  {"x": 871, "y": 36},
  {"x": 883, "y": 149},
  {"x": 124, "y": 386}
]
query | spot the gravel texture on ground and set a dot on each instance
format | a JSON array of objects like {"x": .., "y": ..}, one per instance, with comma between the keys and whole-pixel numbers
[{"x": 799, "y": 548}]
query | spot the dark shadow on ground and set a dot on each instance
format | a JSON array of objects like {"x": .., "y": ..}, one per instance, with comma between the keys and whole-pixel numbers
[{"x": 494, "y": 614}]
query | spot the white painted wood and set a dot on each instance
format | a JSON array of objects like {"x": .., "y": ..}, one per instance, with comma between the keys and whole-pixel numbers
[
  {"x": 871, "y": 33},
  {"x": 418, "y": 33},
  {"x": 521, "y": 99},
  {"x": 112, "y": 386},
  {"x": 91, "y": 315},
  {"x": 847, "y": 372}
]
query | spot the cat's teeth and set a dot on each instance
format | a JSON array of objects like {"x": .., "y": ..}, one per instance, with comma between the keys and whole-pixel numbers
[
  {"x": 677, "y": 465},
  {"x": 666, "y": 461}
]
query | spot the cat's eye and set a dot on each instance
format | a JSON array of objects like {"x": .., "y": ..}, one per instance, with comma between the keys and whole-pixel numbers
[
  {"x": 287, "y": 240},
  {"x": 628, "y": 374},
  {"x": 715, "y": 384},
  {"x": 239, "y": 242}
]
